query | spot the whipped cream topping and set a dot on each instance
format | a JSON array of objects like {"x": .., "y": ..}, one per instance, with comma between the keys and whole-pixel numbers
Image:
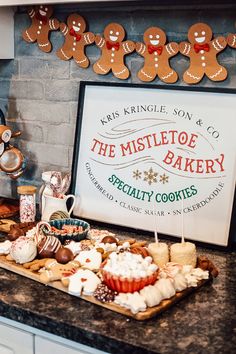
[{"x": 130, "y": 265}]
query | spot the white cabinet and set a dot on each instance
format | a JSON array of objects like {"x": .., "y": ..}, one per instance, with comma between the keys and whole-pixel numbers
[
  {"x": 15, "y": 341},
  {"x": 6, "y": 33},
  {"x": 17, "y": 338},
  {"x": 46, "y": 346}
]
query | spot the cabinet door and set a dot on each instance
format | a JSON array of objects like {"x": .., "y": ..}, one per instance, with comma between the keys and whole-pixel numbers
[
  {"x": 46, "y": 346},
  {"x": 15, "y": 341},
  {"x": 6, "y": 33}
]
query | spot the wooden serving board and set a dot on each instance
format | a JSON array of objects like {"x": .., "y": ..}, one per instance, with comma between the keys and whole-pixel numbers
[{"x": 149, "y": 313}]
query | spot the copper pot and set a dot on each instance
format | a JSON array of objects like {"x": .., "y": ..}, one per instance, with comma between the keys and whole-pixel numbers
[{"x": 11, "y": 160}]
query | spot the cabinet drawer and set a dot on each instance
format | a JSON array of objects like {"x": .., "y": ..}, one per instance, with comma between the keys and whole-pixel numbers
[
  {"x": 15, "y": 341},
  {"x": 46, "y": 346}
]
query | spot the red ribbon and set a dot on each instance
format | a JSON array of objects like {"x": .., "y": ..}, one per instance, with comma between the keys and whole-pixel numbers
[
  {"x": 39, "y": 17},
  {"x": 198, "y": 47},
  {"x": 74, "y": 34},
  {"x": 152, "y": 49},
  {"x": 113, "y": 45}
]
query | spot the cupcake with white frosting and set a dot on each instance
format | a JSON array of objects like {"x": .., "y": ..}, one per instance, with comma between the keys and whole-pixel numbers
[{"x": 127, "y": 272}]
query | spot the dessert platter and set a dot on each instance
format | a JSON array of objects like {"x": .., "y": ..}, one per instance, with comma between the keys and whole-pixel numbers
[{"x": 128, "y": 276}]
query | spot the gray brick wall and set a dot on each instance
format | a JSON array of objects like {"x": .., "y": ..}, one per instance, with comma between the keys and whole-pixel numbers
[{"x": 41, "y": 92}]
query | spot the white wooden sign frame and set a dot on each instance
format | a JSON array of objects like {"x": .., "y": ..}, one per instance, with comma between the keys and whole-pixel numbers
[{"x": 149, "y": 157}]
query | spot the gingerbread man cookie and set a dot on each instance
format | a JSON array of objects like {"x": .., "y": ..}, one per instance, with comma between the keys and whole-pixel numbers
[
  {"x": 156, "y": 56},
  {"x": 231, "y": 40},
  {"x": 75, "y": 40},
  {"x": 56, "y": 271},
  {"x": 42, "y": 24},
  {"x": 202, "y": 52},
  {"x": 113, "y": 51}
]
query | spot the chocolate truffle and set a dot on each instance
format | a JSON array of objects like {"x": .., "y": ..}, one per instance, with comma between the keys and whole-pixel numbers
[
  {"x": 48, "y": 246},
  {"x": 109, "y": 239},
  {"x": 64, "y": 255}
]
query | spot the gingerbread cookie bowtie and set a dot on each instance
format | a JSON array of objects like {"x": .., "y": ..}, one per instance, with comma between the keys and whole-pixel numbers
[
  {"x": 198, "y": 47},
  {"x": 41, "y": 18},
  {"x": 74, "y": 34},
  {"x": 152, "y": 49},
  {"x": 110, "y": 45}
]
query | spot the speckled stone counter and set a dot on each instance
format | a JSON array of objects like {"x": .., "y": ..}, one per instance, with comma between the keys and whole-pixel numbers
[{"x": 204, "y": 322}]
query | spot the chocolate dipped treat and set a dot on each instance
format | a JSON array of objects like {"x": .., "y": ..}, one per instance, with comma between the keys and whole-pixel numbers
[
  {"x": 48, "y": 246},
  {"x": 20, "y": 229}
]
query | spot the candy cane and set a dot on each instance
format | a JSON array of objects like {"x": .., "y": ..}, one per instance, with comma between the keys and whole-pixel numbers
[{"x": 38, "y": 226}]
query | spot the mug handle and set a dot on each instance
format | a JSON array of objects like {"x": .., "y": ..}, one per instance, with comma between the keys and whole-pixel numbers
[{"x": 73, "y": 204}]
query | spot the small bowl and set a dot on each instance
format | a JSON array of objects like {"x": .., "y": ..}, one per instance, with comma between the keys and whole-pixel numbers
[{"x": 75, "y": 236}]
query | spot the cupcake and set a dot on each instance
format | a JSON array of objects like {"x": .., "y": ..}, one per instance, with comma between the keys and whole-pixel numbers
[{"x": 127, "y": 272}]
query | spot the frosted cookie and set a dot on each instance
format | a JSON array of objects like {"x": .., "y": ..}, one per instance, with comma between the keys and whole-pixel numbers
[
  {"x": 159, "y": 252},
  {"x": 194, "y": 275},
  {"x": 166, "y": 288},
  {"x": 55, "y": 271},
  {"x": 180, "y": 282},
  {"x": 83, "y": 281},
  {"x": 183, "y": 253},
  {"x": 91, "y": 259},
  {"x": 152, "y": 295},
  {"x": 132, "y": 301},
  {"x": 170, "y": 270}
]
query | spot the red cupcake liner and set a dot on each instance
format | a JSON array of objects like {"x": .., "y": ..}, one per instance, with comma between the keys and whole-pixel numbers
[{"x": 127, "y": 285}]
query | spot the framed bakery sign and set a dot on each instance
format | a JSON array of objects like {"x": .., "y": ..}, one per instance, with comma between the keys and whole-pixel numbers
[{"x": 147, "y": 155}]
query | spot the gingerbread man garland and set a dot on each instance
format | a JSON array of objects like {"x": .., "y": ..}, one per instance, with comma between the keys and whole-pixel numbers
[
  {"x": 75, "y": 40},
  {"x": 231, "y": 40},
  {"x": 156, "y": 56},
  {"x": 113, "y": 51},
  {"x": 42, "y": 24},
  {"x": 202, "y": 52}
]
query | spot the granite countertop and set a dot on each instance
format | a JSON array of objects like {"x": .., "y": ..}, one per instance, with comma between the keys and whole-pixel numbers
[{"x": 204, "y": 322}]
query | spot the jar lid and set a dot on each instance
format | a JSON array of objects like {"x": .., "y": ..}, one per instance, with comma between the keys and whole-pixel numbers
[{"x": 26, "y": 189}]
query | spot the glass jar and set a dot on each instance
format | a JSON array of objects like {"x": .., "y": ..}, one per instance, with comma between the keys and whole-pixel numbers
[{"x": 27, "y": 203}]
